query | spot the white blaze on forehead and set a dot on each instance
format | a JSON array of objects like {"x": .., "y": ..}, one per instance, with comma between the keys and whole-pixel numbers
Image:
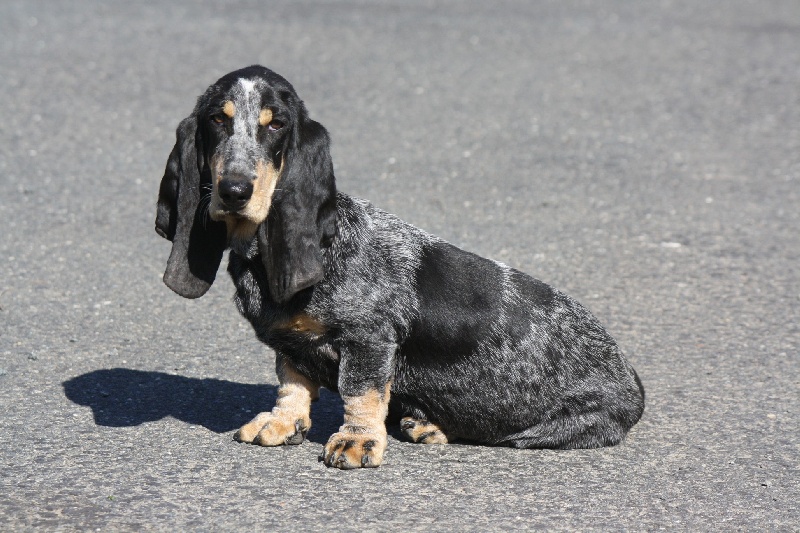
[
  {"x": 251, "y": 99},
  {"x": 247, "y": 85},
  {"x": 248, "y": 106}
]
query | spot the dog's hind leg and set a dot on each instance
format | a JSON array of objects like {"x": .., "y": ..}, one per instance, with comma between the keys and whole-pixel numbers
[{"x": 587, "y": 430}]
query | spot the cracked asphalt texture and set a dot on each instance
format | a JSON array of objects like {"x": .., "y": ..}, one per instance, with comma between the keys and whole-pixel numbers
[{"x": 642, "y": 156}]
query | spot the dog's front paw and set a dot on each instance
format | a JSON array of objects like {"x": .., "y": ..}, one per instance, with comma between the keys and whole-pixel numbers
[
  {"x": 355, "y": 447},
  {"x": 274, "y": 429}
]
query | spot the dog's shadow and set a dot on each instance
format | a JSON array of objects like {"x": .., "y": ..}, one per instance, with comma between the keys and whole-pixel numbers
[{"x": 121, "y": 397}]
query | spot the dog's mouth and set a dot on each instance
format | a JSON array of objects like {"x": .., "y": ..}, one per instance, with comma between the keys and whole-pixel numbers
[
  {"x": 225, "y": 213},
  {"x": 220, "y": 213},
  {"x": 253, "y": 211},
  {"x": 242, "y": 204}
]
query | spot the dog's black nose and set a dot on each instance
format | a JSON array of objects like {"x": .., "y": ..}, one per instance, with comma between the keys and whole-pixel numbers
[{"x": 235, "y": 193}]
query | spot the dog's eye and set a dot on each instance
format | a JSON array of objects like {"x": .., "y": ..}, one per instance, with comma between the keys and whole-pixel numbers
[
  {"x": 218, "y": 118},
  {"x": 275, "y": 125}
]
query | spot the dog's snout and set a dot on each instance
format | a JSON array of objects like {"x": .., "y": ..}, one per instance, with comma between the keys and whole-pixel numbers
[{"x": 235, "y": 193}]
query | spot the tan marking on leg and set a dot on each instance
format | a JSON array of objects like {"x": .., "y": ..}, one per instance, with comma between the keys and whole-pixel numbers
[
  {"x": 290, "y": 419},
  {"x": 361, "y": 441},
  {"x": 369, "y": 410},
  {"x": 422, "y": 431},
  {"x": 229, "y": 108},
  {"x": 264, "y": 117}
]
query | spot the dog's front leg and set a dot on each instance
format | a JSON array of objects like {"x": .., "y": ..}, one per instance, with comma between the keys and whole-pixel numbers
[
  {"x": 290, "y": 419},
  {"x": 364, "y": 384}
]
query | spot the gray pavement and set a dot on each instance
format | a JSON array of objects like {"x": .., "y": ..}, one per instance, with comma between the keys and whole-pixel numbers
[{"x": 642, "y": 156}]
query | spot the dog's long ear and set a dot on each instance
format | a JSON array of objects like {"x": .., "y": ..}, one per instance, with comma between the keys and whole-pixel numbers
[
  {"x": 197, "y": 241},
  {"x": 302, "y": 218}
]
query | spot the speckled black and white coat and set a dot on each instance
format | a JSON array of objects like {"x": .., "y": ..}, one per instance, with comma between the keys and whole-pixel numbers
[
  {"x": 480, "y": 349},
  {"x": 396, "y": 320}
]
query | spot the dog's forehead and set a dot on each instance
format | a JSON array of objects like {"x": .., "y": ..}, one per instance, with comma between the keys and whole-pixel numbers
[
  {"x": 246, "y": 92},
  {"x": 244, "y": 89},
  {"x": 253, "y": 87}
]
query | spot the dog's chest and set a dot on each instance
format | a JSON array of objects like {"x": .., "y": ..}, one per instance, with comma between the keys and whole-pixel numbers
[
  {"x": 255, "y": 304},
  {"x": 295, "y": 331}
]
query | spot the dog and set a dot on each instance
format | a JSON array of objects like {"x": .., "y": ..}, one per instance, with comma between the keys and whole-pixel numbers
[{"x": 397, "y": 321}]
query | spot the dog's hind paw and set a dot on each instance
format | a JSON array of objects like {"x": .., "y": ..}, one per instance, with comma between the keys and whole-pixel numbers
[{"x": 422, "y": 431}]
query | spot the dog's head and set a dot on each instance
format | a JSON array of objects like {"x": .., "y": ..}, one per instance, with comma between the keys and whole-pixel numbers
[{"x": 248, "y": 163}]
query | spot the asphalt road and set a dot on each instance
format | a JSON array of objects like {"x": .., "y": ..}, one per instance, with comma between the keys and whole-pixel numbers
[{"x": 642, "y": 156}]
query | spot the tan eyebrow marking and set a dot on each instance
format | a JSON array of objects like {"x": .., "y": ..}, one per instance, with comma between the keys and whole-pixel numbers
[
  {"x": 229, "y": 109},
  {"x": 265, "y": 117}
]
